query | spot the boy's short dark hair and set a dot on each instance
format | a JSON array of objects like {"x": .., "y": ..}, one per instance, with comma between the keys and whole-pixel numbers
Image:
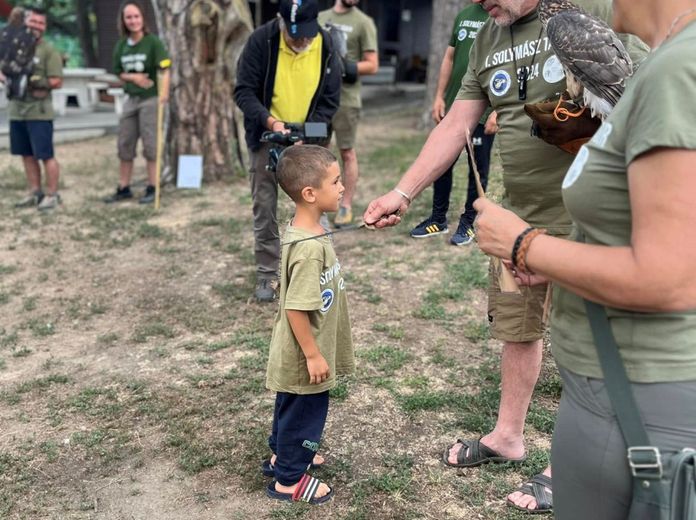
[{"x": 301, "y": 166}]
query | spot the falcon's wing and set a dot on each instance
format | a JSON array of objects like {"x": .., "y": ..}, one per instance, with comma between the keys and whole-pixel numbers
[{"x": 589, "y": 48}]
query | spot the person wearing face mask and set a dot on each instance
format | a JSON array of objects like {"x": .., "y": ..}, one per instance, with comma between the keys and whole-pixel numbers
[
  {"x": 360, "y": 59},
  {"x": 288, "y": 72}
]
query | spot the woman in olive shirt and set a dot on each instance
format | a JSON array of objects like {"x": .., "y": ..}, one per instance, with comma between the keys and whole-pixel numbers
[
  {"x": 630, "y": 192},
  {"x": 138, "y": 56}
]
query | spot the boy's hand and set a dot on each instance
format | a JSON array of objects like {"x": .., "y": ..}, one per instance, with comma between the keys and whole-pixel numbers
[{"x": 318, "y": 369}]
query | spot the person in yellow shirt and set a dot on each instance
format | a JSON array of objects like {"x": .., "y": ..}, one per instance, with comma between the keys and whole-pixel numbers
[{"x": 288, "y": 72}]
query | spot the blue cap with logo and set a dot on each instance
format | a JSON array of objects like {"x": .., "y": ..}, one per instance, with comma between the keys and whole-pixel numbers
[{"x": 300, "y": 17}]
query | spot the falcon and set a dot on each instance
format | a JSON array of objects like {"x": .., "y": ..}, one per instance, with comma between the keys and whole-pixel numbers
[{"x": 595, "y": 61}]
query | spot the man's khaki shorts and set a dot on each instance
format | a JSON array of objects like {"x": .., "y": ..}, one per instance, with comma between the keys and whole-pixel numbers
[
  {"x": 345, "y": 124},
  {"x": 515, "y": 317},
  {"x": 138, "y": 120}
]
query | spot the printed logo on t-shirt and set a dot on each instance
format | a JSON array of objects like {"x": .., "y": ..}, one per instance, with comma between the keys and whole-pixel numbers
[
  {"x": 553, "y": 70},
  {"x": 133, "y": 62},
  {"x": 576, "y": 168},
  {"x": 462, "y": 35},
  {"x": 500, "y": 83},
  {"x": 327, "y": 299}
]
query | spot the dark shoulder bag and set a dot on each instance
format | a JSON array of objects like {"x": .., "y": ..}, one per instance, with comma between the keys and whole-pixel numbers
[{"x": 664, "y": 482}]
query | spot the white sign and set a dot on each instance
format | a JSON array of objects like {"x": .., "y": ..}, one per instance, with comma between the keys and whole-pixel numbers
[{"x": 190, "y": 171}]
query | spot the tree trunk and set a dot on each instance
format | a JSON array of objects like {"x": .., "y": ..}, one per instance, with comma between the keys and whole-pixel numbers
[
  {"x": 204, "y": 39},
  {"x": 84, "y": 9},
  {"x": 444, "y": 12}
]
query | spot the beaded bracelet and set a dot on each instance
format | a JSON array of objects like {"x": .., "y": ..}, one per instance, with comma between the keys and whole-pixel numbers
[
  {"x": 518, "y": 242},
  {"x": 403, "y": 194},
  {"x": 521, "y": 260}
]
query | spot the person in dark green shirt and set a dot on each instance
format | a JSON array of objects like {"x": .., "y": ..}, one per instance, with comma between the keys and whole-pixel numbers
[
  {"x": 452, "y": 70},
  {"x": 138, "y": 58}
]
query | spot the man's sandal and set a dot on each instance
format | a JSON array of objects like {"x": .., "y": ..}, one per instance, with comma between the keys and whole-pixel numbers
[
  {"x": 474, "y": 453},
  {"x": 539, "y": 487},
  {"x": 304, "y": 492},
  {"x": 268, "y": 469}
]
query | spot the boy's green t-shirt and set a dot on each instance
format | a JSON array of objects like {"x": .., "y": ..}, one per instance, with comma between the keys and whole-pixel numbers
[
  {"x": 147, "y": 56},
  {"x": 655, "y": 111},
  {"x": 361, "y": 36},
  {"x": 311, "y": 280},
  {"x": 532, "y": 169},
  {"x": 47, "y": 64}
]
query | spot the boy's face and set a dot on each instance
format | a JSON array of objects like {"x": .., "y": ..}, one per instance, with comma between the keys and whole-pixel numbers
[{"x": 331, "y": 190}]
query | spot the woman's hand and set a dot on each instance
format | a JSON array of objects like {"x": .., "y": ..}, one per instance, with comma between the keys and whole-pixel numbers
[
  {"x": 141, "y": 79},
  {"x": 496, "y": 228},
  {"x": 524, "y": 279}
]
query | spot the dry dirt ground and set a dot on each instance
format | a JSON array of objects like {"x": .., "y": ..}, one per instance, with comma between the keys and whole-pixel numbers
[{"x": 132, "y": 358}]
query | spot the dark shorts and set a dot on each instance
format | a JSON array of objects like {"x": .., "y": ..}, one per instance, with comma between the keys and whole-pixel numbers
[{"x": 32, "y": 138}]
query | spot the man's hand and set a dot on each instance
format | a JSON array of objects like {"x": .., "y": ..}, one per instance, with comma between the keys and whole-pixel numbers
[
  {"x": 491, "y": 125},
  {"x": 318, "y": 369},
  {"x": 438, "y": 110},
  {"x": 386, "y": 210}
]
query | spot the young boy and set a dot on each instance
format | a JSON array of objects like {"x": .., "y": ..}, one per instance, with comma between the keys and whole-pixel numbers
[{"x": 311, "y": 342}]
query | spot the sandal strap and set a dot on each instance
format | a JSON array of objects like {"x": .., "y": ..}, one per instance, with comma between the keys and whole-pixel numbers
[
  {"x": 474, "y": 450},
  {"x": 539, "y": 486},
  {"x": 306, "y": 488}
]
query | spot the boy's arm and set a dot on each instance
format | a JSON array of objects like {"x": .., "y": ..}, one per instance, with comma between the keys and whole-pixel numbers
[{"x": 316, "y": 364}]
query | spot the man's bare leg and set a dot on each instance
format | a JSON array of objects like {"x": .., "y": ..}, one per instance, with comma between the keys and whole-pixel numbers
[
  {"x": 350, "y": 176},
  {"x": 520, "y": 367},
  {"x": 52, "y": 175},
  {"x": 32, "y": 169}
]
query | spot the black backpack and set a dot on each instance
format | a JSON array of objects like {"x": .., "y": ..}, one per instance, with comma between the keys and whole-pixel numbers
[{"x": 17, "y": 47}]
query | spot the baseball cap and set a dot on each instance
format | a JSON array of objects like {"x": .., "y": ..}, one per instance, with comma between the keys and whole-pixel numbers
[{"x": 300, "y": 17}]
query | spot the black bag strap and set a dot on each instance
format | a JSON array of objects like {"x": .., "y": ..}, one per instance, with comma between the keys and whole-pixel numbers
[
  {"x": 643, "y": 458},
  {"x": 615, "y": 378}
]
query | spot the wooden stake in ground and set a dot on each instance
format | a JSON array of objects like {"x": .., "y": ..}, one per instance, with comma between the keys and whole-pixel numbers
[
  {"x": 505, "y": 279},
  {"x": 160, "y": 137}
]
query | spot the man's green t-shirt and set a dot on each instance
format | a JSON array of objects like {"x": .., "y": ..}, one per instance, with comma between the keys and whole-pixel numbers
[
  {"x": 311, "y": 280},
  {"x": 532, "y": 169},
  {"x": 464, "y": 31},
  {"x": 656, "y": 110},
  {"x": 146, "y": 56},
  {"x": 47, "y": 64},
  {"x": 361, "y": 36}
]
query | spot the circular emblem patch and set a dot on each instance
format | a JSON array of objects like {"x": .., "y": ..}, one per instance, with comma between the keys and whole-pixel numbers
[
  {"x": 500, "y": 83},
  {"x": 576, "y": 168},
  {"x": 327, "y": 299},
  {"x": 553, "y": 70},
  {"x": 463, "y": 33}
]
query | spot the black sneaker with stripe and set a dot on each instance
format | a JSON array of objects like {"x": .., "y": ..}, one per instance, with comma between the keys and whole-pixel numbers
[{"x": 429, "y": 228}]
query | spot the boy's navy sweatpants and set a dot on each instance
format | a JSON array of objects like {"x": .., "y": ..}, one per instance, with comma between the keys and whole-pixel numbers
[{"x": 298, "y": 422}]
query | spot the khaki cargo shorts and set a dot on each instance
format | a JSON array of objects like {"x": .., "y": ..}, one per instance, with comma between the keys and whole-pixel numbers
[
  {"x": 515, "y": 317},
  {"x": 138, "y": 120},
  {"x": 345, "y": 125}
]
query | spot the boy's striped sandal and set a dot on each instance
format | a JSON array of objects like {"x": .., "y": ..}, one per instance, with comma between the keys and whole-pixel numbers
[
  {"x": 304, "y": 492},
  {"x": 268, "y": 469}
]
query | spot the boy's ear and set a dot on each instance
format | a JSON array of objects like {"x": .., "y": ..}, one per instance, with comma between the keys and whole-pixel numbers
[{"x": 308, "y": 194}]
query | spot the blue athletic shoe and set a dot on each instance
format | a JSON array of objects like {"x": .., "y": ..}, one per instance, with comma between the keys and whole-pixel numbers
[
  {"x": 429, "y": 228},
  {"x": 464, "y": 234}
]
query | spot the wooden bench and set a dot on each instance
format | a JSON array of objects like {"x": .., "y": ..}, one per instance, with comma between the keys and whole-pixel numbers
[
  {"x": 60, "y": 99},
  {"x": 119, "y": 98}
]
